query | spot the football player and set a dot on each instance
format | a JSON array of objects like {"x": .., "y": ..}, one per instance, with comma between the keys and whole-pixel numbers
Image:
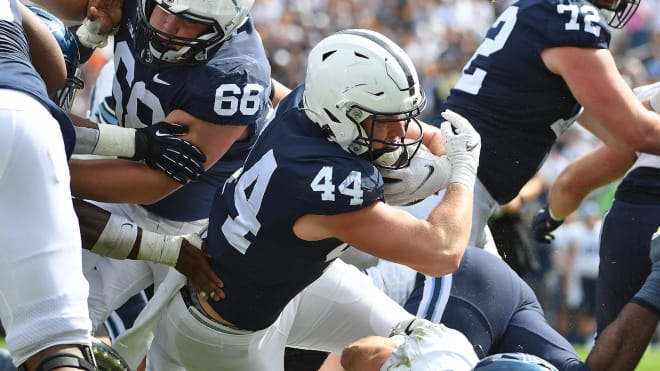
[
  {"x": 619, "y": 347},
  {"x": 627, "y": 226},
  {"x": 198, "y": 64},
  {"x": 44, "y": 293},
  {"x": 308, "y": 189},
  {"x": 540, "y": 65}
]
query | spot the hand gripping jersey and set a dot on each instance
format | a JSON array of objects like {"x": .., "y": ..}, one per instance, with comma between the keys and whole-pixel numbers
[
  {"x": 517, "y": 105},
  {"x": 18, "y": 72},
  {"x": 293, "y": 170},
  {"x": 231, "y": 88}
]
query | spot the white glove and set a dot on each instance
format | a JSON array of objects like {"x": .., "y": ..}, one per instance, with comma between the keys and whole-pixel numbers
[
  {"x": 462, "y": 147},
  {"x": 426, "y": 175},
  {"x": 89, "y": 34}
]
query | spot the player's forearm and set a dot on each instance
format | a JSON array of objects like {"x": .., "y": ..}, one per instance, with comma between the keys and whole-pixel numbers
[
  {"x": 622, "y": 344},
  {"x": 452, "y": 231},
  {"x": 119, "y": 181},
  {"x": 595, "y": 169}
]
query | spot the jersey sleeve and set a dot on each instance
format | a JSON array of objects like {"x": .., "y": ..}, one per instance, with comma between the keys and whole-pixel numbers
[
  {"x": 338, "y": 185},
  {"x": 235, "y": 93}
]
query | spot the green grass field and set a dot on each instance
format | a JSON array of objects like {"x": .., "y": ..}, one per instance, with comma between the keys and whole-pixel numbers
[{"x": 650, "y": 361}]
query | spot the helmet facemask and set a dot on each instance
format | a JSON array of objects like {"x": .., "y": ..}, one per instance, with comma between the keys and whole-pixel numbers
[
  {"x": 619, "y": 11},
  {"x": 153, "y": 45},
  {"x": 65, "y": 96},
  {"x": 396, "y": 153}
]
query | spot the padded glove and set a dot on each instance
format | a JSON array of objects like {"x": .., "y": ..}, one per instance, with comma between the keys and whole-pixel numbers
[
  {"x": 426, "y": 174},
  {"x": 462, "y": 147},
  {"x": 543, "y": 225},
  {"x": 161, "y": 148}
]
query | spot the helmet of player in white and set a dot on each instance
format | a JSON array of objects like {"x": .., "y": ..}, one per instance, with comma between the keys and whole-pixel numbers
[
  {"x": 354, "y": 75},
  {"x": 222, "y": 17},
  {"x": 514, "y": 362},
  {"x": 621, "y": 10},
  {"x": 67, "y": 42}
]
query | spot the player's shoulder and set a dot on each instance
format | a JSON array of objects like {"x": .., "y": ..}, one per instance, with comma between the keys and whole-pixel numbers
[
  {"x": 242, "y": 57},
  {"x": 565, "y": 22}
]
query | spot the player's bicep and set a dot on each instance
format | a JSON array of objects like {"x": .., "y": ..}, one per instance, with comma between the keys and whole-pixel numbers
[
  {"x": 594, "y": 80},
  {"x": 214, "y": 140}
]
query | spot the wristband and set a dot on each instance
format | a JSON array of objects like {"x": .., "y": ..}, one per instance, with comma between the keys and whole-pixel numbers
[
  {"x": 86, "y": 140},
  {"x": 115, "y": 141},
  {"x": 160, "y": 248},
  {"x": 117, "y": 238}
]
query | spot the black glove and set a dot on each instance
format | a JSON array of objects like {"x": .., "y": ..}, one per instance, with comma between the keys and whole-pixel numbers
[
  {"x": 161, "y": 148},
  {"x": 543, "y": 225}
]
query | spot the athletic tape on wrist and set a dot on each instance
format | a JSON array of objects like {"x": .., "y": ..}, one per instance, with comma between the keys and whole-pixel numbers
[
  {"x": 117, "y": 239},
  {"x": 115, "y": 141},
  {"x": 86, "y": 140},
  {"x": 160, "y": 248}
]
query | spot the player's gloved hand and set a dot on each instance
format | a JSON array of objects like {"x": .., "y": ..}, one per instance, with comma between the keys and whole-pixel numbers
[
  {"x": 543, "y": 225},
  {"x": 161, "y": 148},
  {"x": 649, "y": 294},
  {"x": 194, "y": 263},
  {"x": 462, "y": 147},
  {"x": 426, "y": 175}
]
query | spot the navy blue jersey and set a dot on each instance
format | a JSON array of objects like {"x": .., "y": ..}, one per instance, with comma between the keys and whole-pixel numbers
[
  {"x": 19, "y": 74},
  {"x": 517, "y": 105},
  {"x": 293, "y": 170},
  {"x": 494, "y": 308},
  {"x": 231, "y": 88}
]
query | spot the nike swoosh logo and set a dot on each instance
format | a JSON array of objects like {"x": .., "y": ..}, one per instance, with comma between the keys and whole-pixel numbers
[
  {"x": 156, "y": 79},
  {"x": 161, "y": 134},
  {"x": 431, "y": 171},
  {"x": 471, "y": 148}
]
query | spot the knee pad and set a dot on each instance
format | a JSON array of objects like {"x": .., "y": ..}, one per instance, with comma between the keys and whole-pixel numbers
[{"x": 62, "y": 359}]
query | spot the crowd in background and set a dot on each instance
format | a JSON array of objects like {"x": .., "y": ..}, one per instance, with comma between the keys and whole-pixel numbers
[{"x": 440, "y": 36}]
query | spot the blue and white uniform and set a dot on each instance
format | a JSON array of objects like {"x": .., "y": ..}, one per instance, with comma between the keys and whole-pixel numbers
[
  {"x": 486, "y": 301},
  {"x": 232, "y": 87},
  {"x": 43, "y": 293},
  {"x": 280, "y": 289},
  {"x": 515, "y": 103}
]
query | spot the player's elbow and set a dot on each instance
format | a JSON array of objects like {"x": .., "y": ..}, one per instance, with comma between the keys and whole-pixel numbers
[{"x": 443, "y": 262}]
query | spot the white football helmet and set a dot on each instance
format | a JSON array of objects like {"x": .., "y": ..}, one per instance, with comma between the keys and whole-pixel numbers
[
  {"x": 357, "y": 74},
  {"x": 222, "y": 16}
]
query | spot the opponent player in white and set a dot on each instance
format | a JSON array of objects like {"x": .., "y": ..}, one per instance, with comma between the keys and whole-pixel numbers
[{"x": 43, "y": 291}]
